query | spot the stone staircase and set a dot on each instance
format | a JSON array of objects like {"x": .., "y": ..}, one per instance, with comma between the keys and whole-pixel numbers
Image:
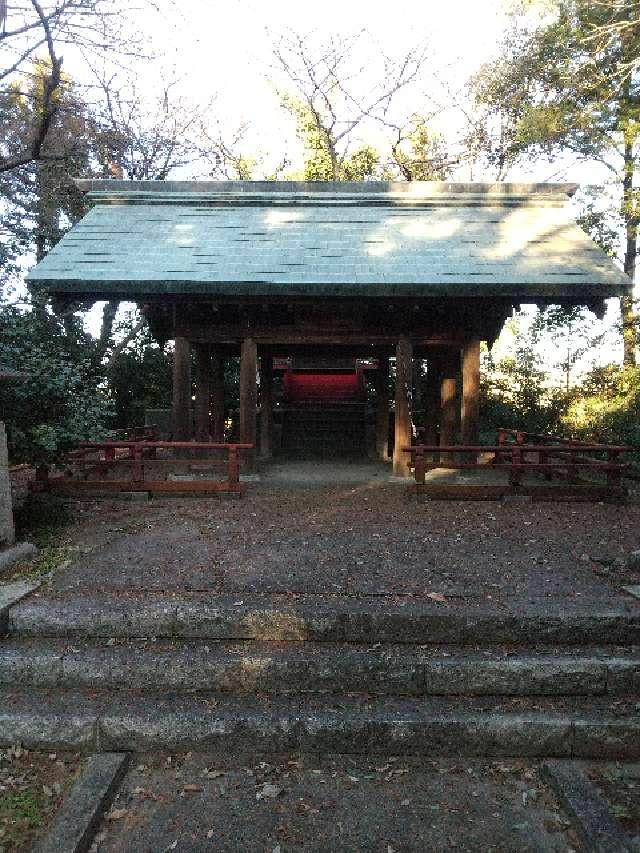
[
  {"x": 324, "y": 427},
  {"x": 124, "y": 671}
]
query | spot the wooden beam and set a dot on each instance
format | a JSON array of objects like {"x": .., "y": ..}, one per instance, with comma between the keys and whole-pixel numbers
[
  {"x": 266, "y": 406},
  {"x": 448, "y": 413},
  {"x": 181, "y": 403},
  {"x": 217, "y": 396},
  {"x": 403, "y": 436},
  {"x": 203, "y": 392},
  {"x": 470, "y": 405},
  {"x": 382, "y": 408},
  {"x": 248, "y": 396}
]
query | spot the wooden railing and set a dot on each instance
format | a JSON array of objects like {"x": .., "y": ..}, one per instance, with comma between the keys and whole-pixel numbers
[
  {"x": 92, "y": 464},
  {"x": 518, "y": 459}
]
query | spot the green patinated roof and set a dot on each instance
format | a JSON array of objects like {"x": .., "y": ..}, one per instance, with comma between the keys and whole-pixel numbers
[{"x": 331, "y": 239}]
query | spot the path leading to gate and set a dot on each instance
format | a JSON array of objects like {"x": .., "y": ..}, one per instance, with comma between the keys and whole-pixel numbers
[{"x": 356, "y": 539}]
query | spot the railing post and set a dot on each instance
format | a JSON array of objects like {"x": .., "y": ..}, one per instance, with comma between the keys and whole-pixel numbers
[
  {"x": 515, "y": 474},
  {"x": 543, "y": 459},
  {"x": 137, "y": 472},
  {"x": 614, "y": 475},
  {"x": 42, "y": 477},
  {"x": 419, "y": 466},
  {"x": 571, "y": 469},
  {"x": 232, "y": 466}
]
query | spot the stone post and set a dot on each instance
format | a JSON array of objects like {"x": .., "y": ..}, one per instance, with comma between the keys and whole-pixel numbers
[{"x": 7, "y": 532}]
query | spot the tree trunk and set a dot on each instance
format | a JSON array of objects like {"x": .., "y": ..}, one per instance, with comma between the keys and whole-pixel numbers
[{"x": 630, "y": 218}]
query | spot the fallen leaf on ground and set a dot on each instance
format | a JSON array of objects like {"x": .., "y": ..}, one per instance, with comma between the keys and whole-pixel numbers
[
  {"x": 191, "y": 788},
  {"x": 268, "y": 791},
  {"x": 436, "y": 596},
  {"x": 143, "y": 794},
  {"x": 117, "y": 814}
]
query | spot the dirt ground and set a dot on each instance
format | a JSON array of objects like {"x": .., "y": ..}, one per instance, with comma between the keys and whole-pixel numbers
[
  {"x": 32, "y": 787},
  {"x": 339, "y": 803},
  {"x": 350, "y": 540},
  {"x": 620, "y": 785}
]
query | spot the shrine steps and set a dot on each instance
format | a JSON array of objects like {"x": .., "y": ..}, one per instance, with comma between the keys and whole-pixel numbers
[
  {"x": 324, "y": 426},
  {"x": 268, "y": 672},
  {"x": 135, "y": 721},
  {"x": 302, "y": 668},
  {"x": 315, "y": 618}
]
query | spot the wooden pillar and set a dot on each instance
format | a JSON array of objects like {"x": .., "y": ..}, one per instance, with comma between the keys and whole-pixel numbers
[
  {"x": 403, "y": 437},
  {"x": 248, "y": 396},
  {"x": 448, "y": 413},
  {"x": 266, "y": 406},
  {"x": 470, "y": 406},
  {"x": 203, "y": 392},
  {"x": 382, "y": 408},
  {"x": 432, "y": 398},
  {"x": 181, "y": 404},
  {"x": 217, "y": 397}
]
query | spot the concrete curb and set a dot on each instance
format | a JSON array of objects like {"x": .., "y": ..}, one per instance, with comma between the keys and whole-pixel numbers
[
  {"x": 585, "y": 806},
  {"x": 73, "y": 828},
  {"x": 15, "y": 553},
  {"x": 10, "y": 595},
  {"x": 633, "y": 590}
]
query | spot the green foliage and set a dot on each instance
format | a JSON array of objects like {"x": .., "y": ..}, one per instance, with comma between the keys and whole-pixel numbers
[
  {"x": 39, "y": 199},
  {"x": 139, "y": 381},
  {"x": 41, "y": 518},
  {"x": 360, "y": 165},
  {"x": 61, "y": 404},
  {"x": 606, "y": 407},
  {"x": 322, "y": 161},
  {"x": 570, "y": 85},
  {"x": 515, "y": 392},
  {"x": 420, "y": 154},
  {"x": 139, "y": 374},
  {"x": 600, "y": 223}
]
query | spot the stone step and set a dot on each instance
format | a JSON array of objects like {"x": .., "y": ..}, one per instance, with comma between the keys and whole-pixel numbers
[
  {"x": 251, "y": 667},
  {"x": 97, "y": 721},
  {"x": 318, "y": 618}
]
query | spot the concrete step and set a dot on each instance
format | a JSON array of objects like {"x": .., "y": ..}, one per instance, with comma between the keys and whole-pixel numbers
[
  {"x": 318, "y": 618},
  {"x": 251, "y": 667},
  {"x": 97, "y": 721}
]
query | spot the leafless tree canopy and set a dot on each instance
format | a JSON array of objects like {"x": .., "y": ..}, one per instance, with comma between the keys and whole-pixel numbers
[
  {"x": 327, "y": 79},
  {"x": 32, "y": 29}
]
